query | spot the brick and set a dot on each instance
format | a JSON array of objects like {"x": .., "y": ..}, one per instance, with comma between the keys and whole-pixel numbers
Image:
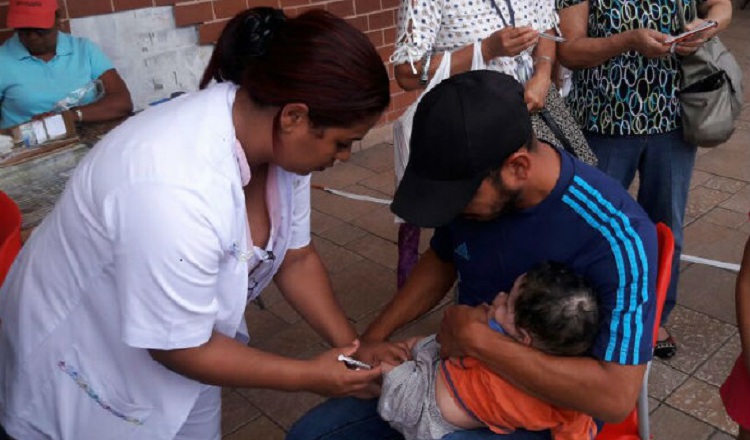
[
  {"x": 5, "y": 34},
  {"x": 385, "y": 53},
  {"x": 3, "y": 15},
  {"x": 292, "y": 3},
  {"x": 256, "y": 3},
  {"x": 376, "y": 38},
  {"x": 391, "y": 4},
  {"x": 125, "y": 5},
  {"x": 85, "y": 8},
  {"x": 343, "y": 8},
  {"x": 389, "y": 35},
  {"x": 395, "y": 114},
  {"x": 229, "y": 8},
  {"x": 193, "y": 13},
  {"x": 208, "y": 33},
  {"x": 403, "y": 100},
  {"x": 393, "y": 87},
  {"x": 164, "y": 2},
  {"x": 65, "y": 26},
  {"x": 381, "y": 20},
  {"x": 366, "y": 6},
  {"x": 359, "y": 22}
]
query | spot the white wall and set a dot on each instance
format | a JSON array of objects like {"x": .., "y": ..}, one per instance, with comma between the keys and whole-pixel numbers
[{"x": 154, "y": 57}]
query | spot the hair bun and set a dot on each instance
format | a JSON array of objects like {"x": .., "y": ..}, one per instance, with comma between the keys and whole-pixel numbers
[{"x": 258, "y": 30}]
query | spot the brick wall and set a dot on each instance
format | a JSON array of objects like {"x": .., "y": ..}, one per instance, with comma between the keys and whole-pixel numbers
[{"x": 376, "y": 18}]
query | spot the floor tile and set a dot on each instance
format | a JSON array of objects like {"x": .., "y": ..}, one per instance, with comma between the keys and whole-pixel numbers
[
  {"x": 663, "y": 380},
  {"x": 726, "y": 218},
  {"x": 702, "y": 401},
  {"x": 341, "y": 207},
  {"x": 384, "y": 182},
  {"x": 699, "y": 178},
  {"x": 321, "y": 222},
  {"x": 702, "y": 200},
  {"x": 719, "y": 435},
  {"x": 236, "y": 412},
  {"x": 376, "y": 249},
  {"x": 341, "y": 175},
  {"x": 262, "y": 324},
  {"x": 281, "y": 407},
  {"x": 670, "y": 424},
  {"x": 698, "y": 336},
  {"x": 717, "y": 367},
  {"x": 709, "y": 290},
  {"x": 653, "y": 404},
  {"x": 378, "y": 158},
  {"x": 335, "y": 258},
  {"x": 703, "y": 239},
  {"x": 725, "y": 184},
  {"x": 261, "y": 428},
  {"x": 289, "y": 341},
  {"x": 739, "y": 202},
  {"x": 343, "y": 234},
  {"x": 380, "y": 222},
  {"x": 364, "y": 287}
]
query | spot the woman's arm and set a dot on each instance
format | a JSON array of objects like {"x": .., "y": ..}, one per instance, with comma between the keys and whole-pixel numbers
[
  {"x": 580, "y": 51},
  {"x": 536, "y": 89},
  {"x": 222, "y": 361},
  {"x": 304, "y": 282},
  {"x": 719, "y": 11},
  {"x": 501, "y": 43},
  {"x": 116, "y": 102}
]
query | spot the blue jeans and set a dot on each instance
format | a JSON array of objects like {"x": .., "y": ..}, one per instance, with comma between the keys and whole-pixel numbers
[
  {"x": 355, "y": 419},
  {"x": 664, "y": 163}
]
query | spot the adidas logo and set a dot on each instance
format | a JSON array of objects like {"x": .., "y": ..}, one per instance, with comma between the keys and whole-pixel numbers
[{"x": 462, "y": 251}]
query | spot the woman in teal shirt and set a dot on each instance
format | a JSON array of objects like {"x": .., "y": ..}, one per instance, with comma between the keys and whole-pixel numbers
[{"x": 42, "y": 65}]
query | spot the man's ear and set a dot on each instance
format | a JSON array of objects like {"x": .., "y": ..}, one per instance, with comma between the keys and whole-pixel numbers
[
  {"x": 516, "y": 169},
  {"x": 293, "y": 116}
]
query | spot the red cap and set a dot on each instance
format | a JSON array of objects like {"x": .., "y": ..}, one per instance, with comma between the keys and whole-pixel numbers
[{"x": 38, "y": 14}]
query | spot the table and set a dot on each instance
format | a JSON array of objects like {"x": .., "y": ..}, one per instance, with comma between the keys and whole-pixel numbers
[{"x": 35, "y": 185}]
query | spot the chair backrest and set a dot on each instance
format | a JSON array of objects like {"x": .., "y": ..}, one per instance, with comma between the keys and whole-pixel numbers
[
  {"x": 10, "y": 233},
  {"x": 664, "y": 274},
  {"x": 629, "y": 428}
]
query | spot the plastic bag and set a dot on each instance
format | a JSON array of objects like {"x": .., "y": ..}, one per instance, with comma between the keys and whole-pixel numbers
[{"x": 91, "y": 92}]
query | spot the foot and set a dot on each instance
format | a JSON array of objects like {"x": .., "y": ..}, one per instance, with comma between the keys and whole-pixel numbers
[{"x": 665, "y": 347}]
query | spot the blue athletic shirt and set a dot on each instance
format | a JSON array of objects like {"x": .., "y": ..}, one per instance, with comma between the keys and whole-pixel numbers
[
  {"x": 591, "y": 224},
  {"x": 30, "y": 86}
]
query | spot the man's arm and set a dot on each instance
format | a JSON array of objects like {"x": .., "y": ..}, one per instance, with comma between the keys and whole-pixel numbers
[
  {"x": 605, "y": 390},
  {"x": 424, "y": 288},
  {"x": 581, "y": 51},
  {"x": 116, "y": 102}
]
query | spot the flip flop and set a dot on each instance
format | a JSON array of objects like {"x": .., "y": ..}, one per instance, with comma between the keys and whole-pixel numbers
[{"x": 666, "y": 348}]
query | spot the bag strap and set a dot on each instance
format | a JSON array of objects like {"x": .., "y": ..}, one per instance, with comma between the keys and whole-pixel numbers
[{"x": 557, "y": 131}]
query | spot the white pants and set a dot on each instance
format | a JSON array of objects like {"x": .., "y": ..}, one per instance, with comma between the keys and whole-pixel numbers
[{"x": 204, "y": 420}]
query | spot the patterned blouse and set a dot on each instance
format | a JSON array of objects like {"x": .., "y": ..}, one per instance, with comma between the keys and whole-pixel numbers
[
  {"x": 447, "y": 25},
  {"x": 628, "y": 94}
]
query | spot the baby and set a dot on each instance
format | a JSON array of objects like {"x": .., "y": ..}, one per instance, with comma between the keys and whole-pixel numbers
[{"x": 549, "y": 308}]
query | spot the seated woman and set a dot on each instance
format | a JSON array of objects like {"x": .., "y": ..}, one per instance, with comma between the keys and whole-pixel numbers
[{"x": 42, "y": 65}]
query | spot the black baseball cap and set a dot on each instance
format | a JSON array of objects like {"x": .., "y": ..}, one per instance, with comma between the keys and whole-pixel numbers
[{"x": 463, "y": 128}]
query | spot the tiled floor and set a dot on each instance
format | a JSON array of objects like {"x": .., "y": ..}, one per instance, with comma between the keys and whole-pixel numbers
[{"x": 357, "y": 243}]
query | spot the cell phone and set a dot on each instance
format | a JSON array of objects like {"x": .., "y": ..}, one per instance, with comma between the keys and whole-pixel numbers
[
  {"x": 354, "y": 364},
  {"x": 706, "y": 25}
]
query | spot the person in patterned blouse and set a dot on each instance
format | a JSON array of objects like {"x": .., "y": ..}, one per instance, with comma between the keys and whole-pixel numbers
[{"x": 625, "y": 96}]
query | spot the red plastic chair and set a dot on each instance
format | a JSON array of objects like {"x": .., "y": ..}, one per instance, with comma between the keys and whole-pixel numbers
[
  {"x": 10, "y": 233},
  {"x": 636, "y": 426}
]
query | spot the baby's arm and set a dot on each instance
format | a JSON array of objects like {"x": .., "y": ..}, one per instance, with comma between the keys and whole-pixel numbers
[{"x": 742, "y": 298}]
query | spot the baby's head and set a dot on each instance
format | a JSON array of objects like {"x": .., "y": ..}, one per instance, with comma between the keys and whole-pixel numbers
[{"x": 550, "y": 308}]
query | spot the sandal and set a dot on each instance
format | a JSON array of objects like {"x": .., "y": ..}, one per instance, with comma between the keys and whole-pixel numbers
[{"x": 666, "y": 348}]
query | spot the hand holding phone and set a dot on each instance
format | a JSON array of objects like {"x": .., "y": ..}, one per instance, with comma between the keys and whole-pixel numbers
[{"x": 706, "y": 25}]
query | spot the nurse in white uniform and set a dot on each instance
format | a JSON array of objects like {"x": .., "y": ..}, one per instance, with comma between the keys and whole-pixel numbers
[{"x": 123, "y": 315}]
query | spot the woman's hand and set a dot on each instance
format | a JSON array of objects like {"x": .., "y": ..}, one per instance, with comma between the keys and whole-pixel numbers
[
  {"x": 331, "y": 377},
  {"x": 689, "y": 46},
  {"x": 508, "y": 42},
  {"x": 649, "y": 42},
  {"x": 535, "y": 93}
]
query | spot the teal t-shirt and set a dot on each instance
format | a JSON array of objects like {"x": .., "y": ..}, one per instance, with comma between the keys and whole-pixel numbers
[
  {"x": 629, "y": 94},
  {"x": 30, "y": 86}
]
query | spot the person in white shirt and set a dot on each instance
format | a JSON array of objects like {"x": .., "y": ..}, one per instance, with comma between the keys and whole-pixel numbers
[{"x": 123, "y": 314}]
